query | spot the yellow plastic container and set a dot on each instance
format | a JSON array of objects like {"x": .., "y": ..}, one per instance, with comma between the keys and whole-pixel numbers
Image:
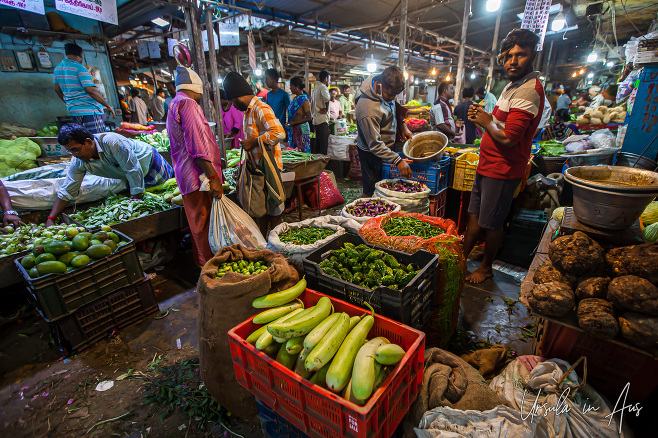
[{"x": 464, "y": 174}]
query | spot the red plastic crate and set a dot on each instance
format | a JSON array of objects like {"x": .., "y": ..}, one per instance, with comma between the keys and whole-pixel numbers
[
  {"x": 319, "y": 412},
  {"x": 438, "y": 203}
]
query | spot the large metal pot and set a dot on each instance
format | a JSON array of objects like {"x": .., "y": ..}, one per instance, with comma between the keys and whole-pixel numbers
[
  {"x": 627, "y": 159},
  {"x": 593, "y": 157},
  {"x": 600, "y": 201},
  {"x": 426, "y": 146}
]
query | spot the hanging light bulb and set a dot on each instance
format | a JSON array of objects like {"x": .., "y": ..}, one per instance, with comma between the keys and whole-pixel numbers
[
  {"x": 448, "y": 78},
  {"x": 590, "y": 75},
  {"x": 559, "y": 21},
  {"x": 372, "y": 65},
  {"x": 406, "y": 75},
  {"x": 573, "y": 75},
  {"x": 433, "y": 72},
  {"x": 581, "y": 72},
  {"x": 610, "y": 64},
  {"x": 493, "y": 5},
  {"x": 592, "y": 57},
  {"x": 473, "y": 76},
  {"x": 258, "y": 71}
]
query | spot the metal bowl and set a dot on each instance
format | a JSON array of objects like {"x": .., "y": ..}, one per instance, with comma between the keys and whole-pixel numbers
[
  {"x": 627, "y": 159},
  {"x": 594, "y": 157},
  {"x": 601, "y": 202},
  {"x": 431, "y": 144},
  {"x": 614, "y": 178}
]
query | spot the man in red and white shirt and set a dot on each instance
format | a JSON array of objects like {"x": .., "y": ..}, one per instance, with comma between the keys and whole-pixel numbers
[{"x": 505, "y": 147}]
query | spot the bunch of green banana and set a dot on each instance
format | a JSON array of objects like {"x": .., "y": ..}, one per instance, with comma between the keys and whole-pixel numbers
[{"x": 330, "y": 349}]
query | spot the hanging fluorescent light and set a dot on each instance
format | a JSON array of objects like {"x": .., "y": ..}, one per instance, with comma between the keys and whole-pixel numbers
[
  {"x": 493, "y": 5},
  {"x": 590, "y": 75},
  {"x": 160, "y": 22},
  {"x": 258, "y": 71},
  {"x": 372, "y": 65},
  {"x": 592, "y": 57},
  {"x": 559, "y": 21}
]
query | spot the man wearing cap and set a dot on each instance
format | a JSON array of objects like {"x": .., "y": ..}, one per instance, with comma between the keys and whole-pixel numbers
[
  {"x": 194, "y": 151},
  {"x": 260, "y": 122}
]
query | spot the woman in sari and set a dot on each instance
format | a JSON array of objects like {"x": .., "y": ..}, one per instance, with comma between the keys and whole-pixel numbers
[{"x": 299, "y": 114}]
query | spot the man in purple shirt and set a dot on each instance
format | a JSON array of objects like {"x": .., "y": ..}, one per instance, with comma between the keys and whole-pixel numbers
[{"x": 194, "y": 151}]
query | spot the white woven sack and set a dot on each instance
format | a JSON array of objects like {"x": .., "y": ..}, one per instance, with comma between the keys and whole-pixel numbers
[
  {"x": 363, "y": 219},
  {"x": 297, "y": 252},
  {"x": 418, "y": 202}
]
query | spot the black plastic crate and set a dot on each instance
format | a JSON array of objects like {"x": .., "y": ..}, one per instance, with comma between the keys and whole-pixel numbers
[
  {"x": 96, "y": 320},
  {"x": 528, "y": 223},
  {"x": 274, "y": 425},
  {"x": 411, "y": 306},
  {"x": 57, "y": 295}
]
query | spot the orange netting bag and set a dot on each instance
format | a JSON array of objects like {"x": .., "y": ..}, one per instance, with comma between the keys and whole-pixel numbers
[{"x": 451, "y": 272}]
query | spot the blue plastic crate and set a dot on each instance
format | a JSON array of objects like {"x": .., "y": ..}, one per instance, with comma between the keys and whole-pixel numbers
[
  {"x": 434, "y": 174},
  {"x": 274, "y": 425}
]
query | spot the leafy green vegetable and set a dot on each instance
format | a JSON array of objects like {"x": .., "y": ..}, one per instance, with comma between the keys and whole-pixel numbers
[
  {"x": 551, "y": 148},
  {"x": 159, "y": 140}
]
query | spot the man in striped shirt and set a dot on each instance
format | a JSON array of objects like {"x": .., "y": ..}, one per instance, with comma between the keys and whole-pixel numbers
[
  {"x": 73, "y": 84},
  {"x": 505, "y": 147},
  {"x": 260, "y": 122}
]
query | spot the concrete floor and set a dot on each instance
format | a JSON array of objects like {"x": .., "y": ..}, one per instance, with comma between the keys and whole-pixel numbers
[{"x": 490, "y": 311}]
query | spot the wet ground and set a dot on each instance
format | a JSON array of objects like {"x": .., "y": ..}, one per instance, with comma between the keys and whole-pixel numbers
[{"x": 44, "y": 394}]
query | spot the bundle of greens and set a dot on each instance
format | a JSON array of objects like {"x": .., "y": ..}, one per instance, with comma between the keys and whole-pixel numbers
[
  {"x": 119, "y": 208},
  {"x": 551, "y": 148},
  {"x": 159, "y": 140},
  {"x": 293, "y": 156}
]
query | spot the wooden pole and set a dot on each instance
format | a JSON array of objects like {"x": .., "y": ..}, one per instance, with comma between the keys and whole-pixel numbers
[
  {"x": 214, "y": 74},
  {"x": 198, "y": 55},
  {"x": 494, "y": 47},
  {"x": 459, "y": 83},
  {"x": 306, "y": 72},
  {"x": 403, "y": 44}
]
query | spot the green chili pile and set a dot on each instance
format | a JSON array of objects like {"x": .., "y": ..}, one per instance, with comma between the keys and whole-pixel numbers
[
  {"x": 293, "y": 156},
  {"x": 305, "y": 235},
  {"x": 119, "y": 208},
  {"x": 410, "y": 226}
]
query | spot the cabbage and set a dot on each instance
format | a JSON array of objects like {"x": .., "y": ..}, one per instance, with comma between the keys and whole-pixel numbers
[
  {"x": 650, "y": 214},
  {"x": 18, "y": 155},
  {"x": 651, "y": 232}
]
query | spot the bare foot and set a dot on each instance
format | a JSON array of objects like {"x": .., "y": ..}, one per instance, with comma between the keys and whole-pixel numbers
[{"x": 481, "y": 274}]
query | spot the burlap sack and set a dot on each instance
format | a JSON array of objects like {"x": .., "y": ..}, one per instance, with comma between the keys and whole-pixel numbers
[
  {"x": 449, "y": 381},
  {"x": 224, "y": 303}
]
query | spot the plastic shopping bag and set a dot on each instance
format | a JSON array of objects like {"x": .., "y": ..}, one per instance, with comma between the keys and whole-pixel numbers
[{"x": 229, "y": 225}]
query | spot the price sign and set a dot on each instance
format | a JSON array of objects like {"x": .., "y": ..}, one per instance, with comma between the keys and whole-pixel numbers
[
  {"x": 101, "y": 10},
  {"x": 35, "y": 6}
]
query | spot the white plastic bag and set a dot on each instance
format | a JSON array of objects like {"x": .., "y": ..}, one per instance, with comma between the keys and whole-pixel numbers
[
  {"x": 603, "y": 139},
  {"x": 40, "y": 194},
  {"x": 229, "y": 225},
  {"x": 418, "y": 202},
  {"x": 338, "y": 147},
  {"x": 363, "y": 219},
  {"x": 499, "y": 422},
  {"x": 297, "y": 252},
  {"x": 529, "y": 372}
]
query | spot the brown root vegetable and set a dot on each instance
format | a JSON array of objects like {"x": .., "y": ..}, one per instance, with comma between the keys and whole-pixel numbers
[
  {"x": 547, "y": 273},
  {"x": 597, "y": 318},
  {"x": 593, "y": 287},
  {"x": 576, "y": 254},
  {"x": 552, "y": 299},
  {"x": 634, "y": 293},
  {"x": 640, "y": 260},
  {"x": 640, "y": 330}
]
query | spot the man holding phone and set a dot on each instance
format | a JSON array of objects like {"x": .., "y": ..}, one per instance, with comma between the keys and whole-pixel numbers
[{"x": 377, "y": 127}]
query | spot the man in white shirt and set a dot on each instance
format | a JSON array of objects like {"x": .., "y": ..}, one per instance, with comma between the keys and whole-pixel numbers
[
  {"x": 597, "y": 97},
  {"x": 320, "y": 112},
  {"x": 441, "y": 117}
]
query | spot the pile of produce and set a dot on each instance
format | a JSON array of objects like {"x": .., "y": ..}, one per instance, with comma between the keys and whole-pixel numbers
[
  {"x": 371, "y": 207},
  {"x": 132, "y": 130},
  {"x": 410, "y": 226},
  {"x": 50, "y": 130},
  {"x": 417, "y": 125},
  {"x": 18, "y": 155},
  {"x": 352, "y": 128},
  {"x": 118, "y": 208},
  {"x": 404, "y": 186},
  {"x": 330, "y": 350},
  {"x": 367, "y": 267},
  {"x": 305, "y": 235},
  {"x": 244, "y": 267},
  {"x": 27, "y": 236},
  {"x": 9, "y": 131},
  {"x": 70, "y": 249},
  {"x": 611, "y": 291},
  {"x": 233, "y": 157},
  {"x": 602, "y": 116},
  {"x": 159, "y": 140},
  {"x": 294, "y": 156},
  {"x": 413, "y": 102},
  {"x": 168, "y": 191},
  {"x": 650, "y": 222},
  {"x": 551, "y": 148}
]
